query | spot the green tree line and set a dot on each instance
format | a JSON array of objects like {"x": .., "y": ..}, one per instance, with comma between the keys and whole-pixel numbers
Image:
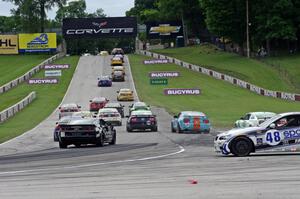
[{"x": 274, "y": 24}]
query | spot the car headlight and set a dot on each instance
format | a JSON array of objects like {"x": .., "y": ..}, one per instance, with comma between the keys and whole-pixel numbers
[
  {"x": 224, "y": 137},
  {"x": 62, "y": 134}
]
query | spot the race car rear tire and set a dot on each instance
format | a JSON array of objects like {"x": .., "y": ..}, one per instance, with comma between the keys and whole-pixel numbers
[
  {"x": 114, "y": 139},
  {"x": 128, "y": 129},
  {"x": 100, "y": 141},
  {"x": 77, "y": 145},
  {"x": 172, "y": 129},
  {"x": 179, "y": 129},
  {"x": 241, "y": 146},
  {"x": 62, "y": 145},
  {"x": 154, "y": 129}
]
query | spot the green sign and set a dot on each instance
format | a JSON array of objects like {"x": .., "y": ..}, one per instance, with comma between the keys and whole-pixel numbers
[{"x": 157, "y": 81}]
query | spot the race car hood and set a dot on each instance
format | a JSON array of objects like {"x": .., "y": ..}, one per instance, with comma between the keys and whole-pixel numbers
[{"x": 241, "y": 131}]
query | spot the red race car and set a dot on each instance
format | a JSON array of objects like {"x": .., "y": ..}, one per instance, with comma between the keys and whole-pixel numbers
[{"x": 98, "y": 103}]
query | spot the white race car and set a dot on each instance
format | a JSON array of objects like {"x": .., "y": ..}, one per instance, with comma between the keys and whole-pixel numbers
[
  {"x": 253, "y": 119},
  {"x": 280, "y": 133},
  {"x": 111, "y": 116}
]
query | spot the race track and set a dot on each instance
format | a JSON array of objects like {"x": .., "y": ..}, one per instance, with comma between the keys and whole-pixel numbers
[{"x": 141, "y": 164}]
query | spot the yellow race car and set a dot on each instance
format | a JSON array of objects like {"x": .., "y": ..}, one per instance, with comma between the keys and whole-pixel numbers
[
  {"x": 116, "y": 61},
  {"x": 125, "y": 94}
]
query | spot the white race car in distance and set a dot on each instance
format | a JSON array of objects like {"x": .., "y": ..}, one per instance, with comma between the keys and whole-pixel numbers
[{"x": 253, "y": 119}]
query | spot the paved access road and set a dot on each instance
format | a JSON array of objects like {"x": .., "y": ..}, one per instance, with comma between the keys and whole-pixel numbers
[{"x": 140, "y": 165}]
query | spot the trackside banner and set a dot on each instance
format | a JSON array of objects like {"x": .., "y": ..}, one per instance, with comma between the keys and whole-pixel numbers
[
  {"x": 182, "y": 91},
  {"x": 37, "y": 42},
  {"x": 166, "y": 29},
  {"x": 99, "y": 27},
  {"x": 8, "y": 44}
]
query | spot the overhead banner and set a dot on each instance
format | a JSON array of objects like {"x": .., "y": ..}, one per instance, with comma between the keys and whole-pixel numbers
[
  {"x": 37, "y": 42},
  {"x": 171, "y": 29},
  {"x": 99, "y": 27},
  {"x": 8, "y": 44}
]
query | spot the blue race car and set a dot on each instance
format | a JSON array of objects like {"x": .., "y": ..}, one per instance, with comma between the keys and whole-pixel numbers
[
  {"x": 190, "y": 121},
  {"x": 104, "y": 81}
]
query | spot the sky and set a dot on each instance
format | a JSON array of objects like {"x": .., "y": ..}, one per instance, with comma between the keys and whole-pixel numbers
[{"x": 112, "y": 8}]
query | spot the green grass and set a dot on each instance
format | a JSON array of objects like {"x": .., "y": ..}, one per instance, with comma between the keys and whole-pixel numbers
[
  {"x": 289, "y": 65},
  {"x": 13, "y": 66},
  {"x": 48, "y": 98},
  {"x": 250, "y": 70},
  {"x": 222, "y": 102}
]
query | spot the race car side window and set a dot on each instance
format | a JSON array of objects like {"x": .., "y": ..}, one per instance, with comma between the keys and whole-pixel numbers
[
  {"x": 293, "y": 121},
  {"x": 252, "y": 117},
  {"x": 247, "y": 117},
  {"x": 289, "y": 121}
]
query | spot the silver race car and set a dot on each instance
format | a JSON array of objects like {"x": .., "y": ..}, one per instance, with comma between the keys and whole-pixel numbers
[{"x": 280, "y": 133}]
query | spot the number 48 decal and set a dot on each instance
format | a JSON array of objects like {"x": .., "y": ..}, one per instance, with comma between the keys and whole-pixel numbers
[{"x": 273, "y": 137}]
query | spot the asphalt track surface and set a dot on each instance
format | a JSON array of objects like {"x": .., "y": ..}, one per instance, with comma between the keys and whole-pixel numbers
[{"x": 141, "y": 164}]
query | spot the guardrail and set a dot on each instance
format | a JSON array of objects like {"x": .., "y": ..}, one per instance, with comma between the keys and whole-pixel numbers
[
  {"x": 11, "y": 111},
  {"x": 6, "y": 87},
  {"x": 235, "y": 81}
]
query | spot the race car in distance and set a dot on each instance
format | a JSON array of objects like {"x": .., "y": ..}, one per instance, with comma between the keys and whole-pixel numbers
[
  {"x": 280, "y": 133},
  {"x": 116, "y": 61},
  {"x": 120, "y": 56},
  {"x": 253, "y": 119},
  {"x": 68, "y": 109},
  {"x": 138, "y": 106},
  {"x": 103, "y": 53},
  {"x": 141, "y": 120},
  {"x": 118, "y": 68},
  {"x": 98, "y": 103},
  {"x": 125, "y": 94},
  {"x": 190, "y": 121},
  {"x": 118, "y": 76},
  {"x": 86, "y": 131},
  {"x": 104, "y": 81},
  {"x": 111, "y": 116},
  {"x": 63, "y": 120},
  {"x": 117, "y": 51},
  {"x": 117, "y": 106},
  {"x": 83, "y": 114}
]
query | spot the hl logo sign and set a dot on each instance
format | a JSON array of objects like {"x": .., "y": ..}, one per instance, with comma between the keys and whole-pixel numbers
[{"x": 7, "y": 43}]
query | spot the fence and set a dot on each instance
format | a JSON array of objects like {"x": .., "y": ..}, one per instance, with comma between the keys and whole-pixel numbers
[
  {"x": 11, "y": 111},
  {"x": 253, "y": 88}
]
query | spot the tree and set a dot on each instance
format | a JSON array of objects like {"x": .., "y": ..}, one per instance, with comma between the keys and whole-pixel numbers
[
  {"x": 98, "y": 13},
  {"x": 33, "y": 11},
  {"x": 188, "y": 11},
  {"x": 274, "y": 21},
  {"x": 144, "y": 10},
  {"x": 74, "y": 9},
  {"x": 226, "y": 18}
]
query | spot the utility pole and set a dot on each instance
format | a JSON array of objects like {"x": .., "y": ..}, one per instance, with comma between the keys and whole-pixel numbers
[
  {"x": 185, "y": 34},
  {"x": 247, "y": 28}
]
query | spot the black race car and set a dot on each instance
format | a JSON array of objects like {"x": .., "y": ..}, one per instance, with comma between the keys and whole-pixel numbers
[
  {"x": 86, "y": 131},
  {"x": 141, "y": 120}
]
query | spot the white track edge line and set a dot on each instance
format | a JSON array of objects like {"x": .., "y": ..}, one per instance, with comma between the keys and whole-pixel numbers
[{"x": 96, "y": 164}]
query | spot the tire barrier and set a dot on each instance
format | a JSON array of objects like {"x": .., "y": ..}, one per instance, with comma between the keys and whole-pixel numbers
[
  {"x": 240, "y": 83},
  {"x": 27, "y": 75},
  {"x": 11, "y": 111}
]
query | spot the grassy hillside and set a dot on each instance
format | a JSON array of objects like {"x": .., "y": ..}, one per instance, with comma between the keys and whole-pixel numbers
[
  {"x": 250, "y": 70},
  {"x": 289, "y": 67},
  {"x": 221, "y": 101},
  {"x": 13, "y": 66},
  {"x": 48, "y": 98}
]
